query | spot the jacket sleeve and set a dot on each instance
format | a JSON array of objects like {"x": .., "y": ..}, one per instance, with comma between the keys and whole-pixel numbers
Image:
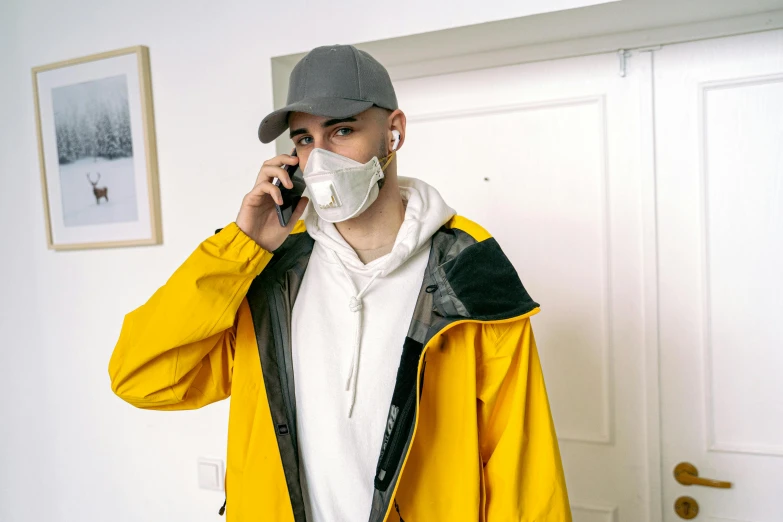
[
  {"x": 522, "y": 471},
  {"x": 176, "y": 351}
]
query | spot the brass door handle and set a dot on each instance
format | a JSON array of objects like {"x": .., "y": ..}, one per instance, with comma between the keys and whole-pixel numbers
[{"x": 686, "y": 473}]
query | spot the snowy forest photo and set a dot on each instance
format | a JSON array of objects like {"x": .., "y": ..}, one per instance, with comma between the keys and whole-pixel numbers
[{"x": 95, "y": 152}]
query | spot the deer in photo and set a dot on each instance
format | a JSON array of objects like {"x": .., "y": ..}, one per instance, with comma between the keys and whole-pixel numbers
[{"x": 100, "y": 192}]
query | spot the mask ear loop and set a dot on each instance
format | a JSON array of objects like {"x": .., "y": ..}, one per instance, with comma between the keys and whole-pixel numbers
[{"x": 388, "y": 160}]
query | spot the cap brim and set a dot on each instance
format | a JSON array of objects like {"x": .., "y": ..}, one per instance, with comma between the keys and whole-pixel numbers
[{"x": 276, "y": 122}]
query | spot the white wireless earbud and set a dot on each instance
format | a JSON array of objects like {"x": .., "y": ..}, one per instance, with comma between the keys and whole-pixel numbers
[{"x": 396, "y": 135}]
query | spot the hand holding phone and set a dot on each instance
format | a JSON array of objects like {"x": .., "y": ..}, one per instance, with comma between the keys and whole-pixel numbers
[{"x": 264, "y": 209}]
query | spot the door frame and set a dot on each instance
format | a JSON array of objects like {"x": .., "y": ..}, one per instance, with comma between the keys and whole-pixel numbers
[
  {"x": 402, "y": 63},
  {"x": 635, "y": 48}
]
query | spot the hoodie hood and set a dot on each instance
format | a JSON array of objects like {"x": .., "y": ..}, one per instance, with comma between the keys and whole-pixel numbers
[{"x": 425, "y": 213}]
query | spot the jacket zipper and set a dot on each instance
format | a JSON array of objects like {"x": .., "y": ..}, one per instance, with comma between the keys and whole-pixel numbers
[
  {"x": 399, "y": 435},
  {"x": 278, "y": 334},
  {"x": 419, "y": 375},
  {"x": 411, "y": 401}
]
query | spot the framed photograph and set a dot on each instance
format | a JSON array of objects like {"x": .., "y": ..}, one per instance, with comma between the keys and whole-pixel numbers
[{"x": 96, "y": 147}]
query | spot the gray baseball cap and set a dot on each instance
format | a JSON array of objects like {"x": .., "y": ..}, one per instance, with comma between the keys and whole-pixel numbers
[{"x": 337, "y": 81}]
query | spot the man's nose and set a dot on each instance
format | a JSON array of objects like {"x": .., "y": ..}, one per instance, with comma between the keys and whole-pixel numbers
[
  {"x": 318, "y": 143},
  {"x": 304, "y": 158},
  {"x": 322, "y": 143}
]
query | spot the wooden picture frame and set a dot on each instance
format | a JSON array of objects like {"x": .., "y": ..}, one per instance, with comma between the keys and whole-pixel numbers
[{"x": 94, "y": 116}]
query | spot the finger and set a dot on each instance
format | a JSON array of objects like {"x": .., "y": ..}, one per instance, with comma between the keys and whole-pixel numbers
[
  {"x": 270, "y": 172},
  {"x": 282, "y": 159},
  {"x": 285, "y": 178},
  {"x": 266, "y": 187},
  {"x": 277, "y": 161}
]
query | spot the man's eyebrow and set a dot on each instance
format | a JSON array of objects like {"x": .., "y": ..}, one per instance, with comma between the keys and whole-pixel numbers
[
  {"x": 327, "y": 123},
  {"x": 335, "y": 121}
]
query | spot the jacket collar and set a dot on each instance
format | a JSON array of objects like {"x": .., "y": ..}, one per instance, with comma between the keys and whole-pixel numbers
[{"x": 468, "y": 274}]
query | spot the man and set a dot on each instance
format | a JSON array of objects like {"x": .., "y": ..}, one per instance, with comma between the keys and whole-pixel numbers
[{"x": 378, "y": 352}]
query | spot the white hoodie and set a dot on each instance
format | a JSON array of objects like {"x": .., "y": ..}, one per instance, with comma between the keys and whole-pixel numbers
[{"x": 347, "y": 341}]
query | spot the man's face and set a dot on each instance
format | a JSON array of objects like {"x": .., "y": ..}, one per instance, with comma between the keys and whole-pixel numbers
[{"x": 359, "y": 137}]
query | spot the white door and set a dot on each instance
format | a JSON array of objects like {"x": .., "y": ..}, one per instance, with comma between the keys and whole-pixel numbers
[
  {"x": 546, "y": 156},
  {"x": 719, "y": 133}
]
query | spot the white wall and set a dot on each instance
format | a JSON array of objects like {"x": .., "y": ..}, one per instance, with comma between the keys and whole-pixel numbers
[{"x": 69, "y": 449}]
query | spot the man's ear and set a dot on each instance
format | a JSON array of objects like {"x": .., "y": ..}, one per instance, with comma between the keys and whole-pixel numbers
[{"x": 396, "y": 123}]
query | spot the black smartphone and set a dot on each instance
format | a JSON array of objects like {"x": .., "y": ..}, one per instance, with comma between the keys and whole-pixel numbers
[{"x": 292, "y": 196}]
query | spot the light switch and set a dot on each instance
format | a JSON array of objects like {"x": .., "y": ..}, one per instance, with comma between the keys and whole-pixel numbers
[{"x": 210, "y": 474}]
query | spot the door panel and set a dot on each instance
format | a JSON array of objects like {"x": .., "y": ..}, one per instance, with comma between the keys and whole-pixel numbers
[
  {"x": 719, "y": 120},
  {"x": 546, "y": 156}
]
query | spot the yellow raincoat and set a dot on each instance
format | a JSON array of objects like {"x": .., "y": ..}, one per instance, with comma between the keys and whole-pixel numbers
[{"x": 477, "y": 441}]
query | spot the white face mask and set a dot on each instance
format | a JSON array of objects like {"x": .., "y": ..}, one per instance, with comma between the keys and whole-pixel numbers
[{"x": 341, "y": 188}]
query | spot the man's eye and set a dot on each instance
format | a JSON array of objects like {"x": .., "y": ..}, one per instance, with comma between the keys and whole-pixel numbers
[
  {"x": 340, "y": 131},
  {"x": 303, "y": 141}
]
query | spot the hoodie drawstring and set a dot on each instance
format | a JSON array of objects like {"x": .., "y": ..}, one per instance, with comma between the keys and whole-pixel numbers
[{"x": 355, "y": 305}]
